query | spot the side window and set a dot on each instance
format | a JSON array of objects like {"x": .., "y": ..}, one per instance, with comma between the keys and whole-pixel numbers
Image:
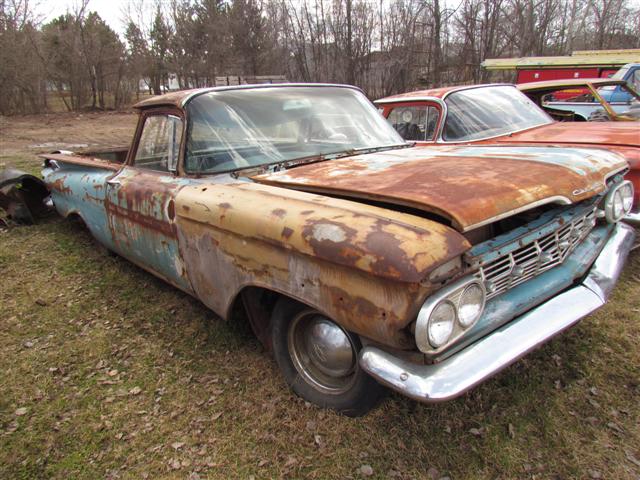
[
  {"x": 635, "y": 80},
  {"x": 159, "y": 143},
  {"x": 416, "y": 123}
]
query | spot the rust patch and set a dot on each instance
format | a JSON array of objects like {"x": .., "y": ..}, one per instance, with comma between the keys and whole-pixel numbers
[
  {"x": 391, "y": 260},
  {"x": 171, "y": 210},
  {"x": 279, "y": 212},
  {"x": 287, "y": 232},
  {"x": 466, "y": 189},
  {"x": 145, "y": 221},
  {"x": 332, "y": 240},
  {"x": 418, "y": 243},
  {"x": 59, "y": 186}
]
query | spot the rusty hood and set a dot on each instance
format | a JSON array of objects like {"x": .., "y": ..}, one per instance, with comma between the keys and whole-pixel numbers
[
  {"x": 469, "y": 186},
  {"x": 588, "y": 134}
]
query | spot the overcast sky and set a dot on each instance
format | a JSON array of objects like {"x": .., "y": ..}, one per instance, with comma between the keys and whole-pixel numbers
[{"x": 113, "y": 11}]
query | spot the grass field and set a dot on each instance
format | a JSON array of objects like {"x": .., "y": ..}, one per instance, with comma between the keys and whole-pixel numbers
[{"x": 106, "y": 372}]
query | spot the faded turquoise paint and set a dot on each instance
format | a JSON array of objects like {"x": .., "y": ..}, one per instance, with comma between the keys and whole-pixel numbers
[
  {"x": 134, "y": 222},
  {"x": 544, "y": 225},
  {"x": 579, "y": 160},
  {"x": 80, "y": 190},
  {"x": 141, "y": 220},
  {"x": 527, "y": 295}
]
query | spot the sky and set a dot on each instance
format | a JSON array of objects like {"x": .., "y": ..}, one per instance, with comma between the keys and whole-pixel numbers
[{"x": 111, "y": 11}]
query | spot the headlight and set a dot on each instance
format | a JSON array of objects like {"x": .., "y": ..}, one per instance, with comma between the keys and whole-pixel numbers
[
  {"x": 449, "y": 313},
  {"x": 618, "y": 201},
  {"x": 470, "y": 305},
  {"x": 441, "y": 323},
  {"x": 626, "y": 191}
]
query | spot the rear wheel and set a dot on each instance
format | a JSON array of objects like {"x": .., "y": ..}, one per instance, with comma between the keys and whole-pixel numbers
[{"x": 319, "y": 360}]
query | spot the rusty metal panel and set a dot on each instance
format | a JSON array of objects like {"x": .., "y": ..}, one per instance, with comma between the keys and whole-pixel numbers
[
  {"x": 22, "y": 195},
  {"x": 360, "y": 265},
  {"x": 595, "y": 134},
  {"x": 459, "y": 183}
]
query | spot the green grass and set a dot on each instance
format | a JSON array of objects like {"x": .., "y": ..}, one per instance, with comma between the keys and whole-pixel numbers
[
  {"x": 81, "y": 331},
  {"x": 209, "y": 389}
]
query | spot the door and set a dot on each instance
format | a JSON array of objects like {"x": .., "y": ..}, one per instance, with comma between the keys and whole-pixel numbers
[{"x": 140, "y": 200}]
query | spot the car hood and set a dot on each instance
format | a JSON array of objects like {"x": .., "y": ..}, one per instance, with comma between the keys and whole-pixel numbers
[
  {"x": 469, "y": 186},
  {"x": 579, "y": 133}
]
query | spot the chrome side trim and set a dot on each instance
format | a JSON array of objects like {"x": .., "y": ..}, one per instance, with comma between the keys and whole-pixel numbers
[
  {"x": 256, "y": 86},
  {"x": 384, "y": 101},
  {"x": 559, "y": 199},
  {"x": 488, "y": 356}
]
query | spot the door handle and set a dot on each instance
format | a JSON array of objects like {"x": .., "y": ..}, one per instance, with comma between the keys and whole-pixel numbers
[{"x": 114, "y": 181}]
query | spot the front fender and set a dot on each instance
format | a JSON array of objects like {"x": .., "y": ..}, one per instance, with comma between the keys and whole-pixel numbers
[{"x": 361, "y": 265}]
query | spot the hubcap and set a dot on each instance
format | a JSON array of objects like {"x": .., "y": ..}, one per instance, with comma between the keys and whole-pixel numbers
[{"x": 322, "y": 352}]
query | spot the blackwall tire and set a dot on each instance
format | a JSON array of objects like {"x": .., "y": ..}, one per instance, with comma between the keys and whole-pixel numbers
[{"x": 330, "y": 379}]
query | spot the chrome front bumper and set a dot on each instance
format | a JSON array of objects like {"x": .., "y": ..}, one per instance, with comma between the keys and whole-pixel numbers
[
  {"x": 633, "y": 219},
  {"x": 486, "y": 357}
]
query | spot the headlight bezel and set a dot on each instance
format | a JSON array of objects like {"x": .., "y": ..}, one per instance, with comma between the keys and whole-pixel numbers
[
  {"x": 616, "y": 199},
  {"x": 451, "y": 293}
]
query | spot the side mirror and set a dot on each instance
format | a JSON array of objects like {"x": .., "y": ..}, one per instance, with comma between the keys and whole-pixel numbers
[{"x": 175, "y": 134}]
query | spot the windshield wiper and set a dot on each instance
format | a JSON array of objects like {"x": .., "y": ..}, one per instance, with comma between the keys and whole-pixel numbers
[
  {"x": 298, "y": 162},
  {"x": 340, "y": 154}
]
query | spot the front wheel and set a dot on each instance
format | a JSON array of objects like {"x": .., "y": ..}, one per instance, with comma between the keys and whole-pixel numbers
[{"x": 319, "y": 360}]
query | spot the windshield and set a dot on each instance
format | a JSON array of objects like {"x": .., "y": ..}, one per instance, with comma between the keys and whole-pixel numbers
[
  {"x": 620, "y": 74},
  {"x": 234, "y": 129},
  {"x": 489, "y": 112}
]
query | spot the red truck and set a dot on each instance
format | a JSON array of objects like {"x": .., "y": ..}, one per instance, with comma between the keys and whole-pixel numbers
[{"x": 579, "y": 65}]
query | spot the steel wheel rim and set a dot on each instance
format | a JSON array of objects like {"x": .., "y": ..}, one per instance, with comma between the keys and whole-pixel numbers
[{"x": 322, "y": 353}]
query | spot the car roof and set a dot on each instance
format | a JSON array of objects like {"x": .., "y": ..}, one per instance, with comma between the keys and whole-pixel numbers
[
  {"x": 569, "y": 82},
  {"x": 434, "y": 93},
  {"x": 182, "y": 97}
]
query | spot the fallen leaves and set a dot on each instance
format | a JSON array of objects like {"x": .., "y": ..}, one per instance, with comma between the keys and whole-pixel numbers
[
  {"x": 366, "y": 470},
  {"x": 135, "y": 391},
  {"x": 21, "y": 411}
]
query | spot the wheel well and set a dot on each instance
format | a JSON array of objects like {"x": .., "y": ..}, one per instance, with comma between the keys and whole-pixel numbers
[
  {"x": 75, "y": 218},
  {"x": 256, "y": 304}
]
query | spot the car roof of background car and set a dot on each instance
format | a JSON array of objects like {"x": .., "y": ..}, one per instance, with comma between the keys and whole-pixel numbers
[
  {"x": 182, "y": 97},
  {"x": 434, "y": 93},
  {"x": 569, "y": 82}
]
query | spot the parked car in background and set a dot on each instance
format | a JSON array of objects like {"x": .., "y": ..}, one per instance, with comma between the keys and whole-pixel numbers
[
  {"x": 358, "y": 260},
  {"x": 587, "y": 102},
  {"x": 499, "y": 114}
]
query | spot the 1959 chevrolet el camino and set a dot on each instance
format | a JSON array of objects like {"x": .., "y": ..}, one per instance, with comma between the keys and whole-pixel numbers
[{"x": 359, "y": 262}]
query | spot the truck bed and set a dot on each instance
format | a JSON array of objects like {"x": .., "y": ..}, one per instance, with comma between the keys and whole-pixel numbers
[{"x": 107, "y": 158}]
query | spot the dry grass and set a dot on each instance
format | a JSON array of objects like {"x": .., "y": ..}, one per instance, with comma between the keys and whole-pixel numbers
[{"x": 107, "y": 372}]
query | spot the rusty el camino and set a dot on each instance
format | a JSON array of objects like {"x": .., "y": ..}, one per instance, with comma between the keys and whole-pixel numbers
[{"x": 360, "y": 262}]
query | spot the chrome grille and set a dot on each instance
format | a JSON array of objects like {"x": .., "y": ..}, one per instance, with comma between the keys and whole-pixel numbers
[{"x": 532, "y": 259}]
